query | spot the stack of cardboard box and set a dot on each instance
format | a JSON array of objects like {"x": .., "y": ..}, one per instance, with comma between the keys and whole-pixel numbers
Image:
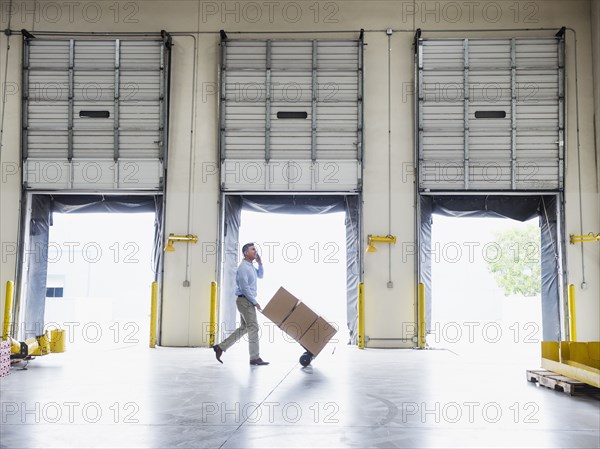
[
  {"x": 4, "y": 358},
  {"x": 296, "y": 319}
]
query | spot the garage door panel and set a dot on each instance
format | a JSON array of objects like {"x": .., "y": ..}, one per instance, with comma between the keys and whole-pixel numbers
[
  {"x": 444, "y": 136},
  {"x": 94, "y": 55},
  {"x": 337, "y": 88},
  {"x": 445, "y": 153},
  {"x": 327, "y": 111},
  {"x": 95, "y": 100},
  {"x": 48, "y": 144},
  {"x": 337, "y": 120},
  {"x": 93, "y": 86},
  {"x": 483, "y": 174},
  {"x": 489, "y": 54},
  {"x": 542, "y": 78},
  {"x": 537, "y": 174},
  {"x": 247, "y": 56},
  {"x": 102, "y": 174},
  {"x": 489, "y": 127},
  {"x": 248, "y": 110},
  {"x": 492, "y": 149},
  {"x": 437, "y": 123},
  {"x": 291, "y": 130},
  {"x": 441, "y": 81},
  {"x": 140, "y": 143},
  {"x": 490, "y": 101},
  {"x": 291, "y": 55},
  {"x": 139, "y": 86},
  {"x": 450, "y": 111},
  {"x": 488, "y": 157},
  {"x": 443, "y": 54},
  {"x": 46, "y": 55},
  {"x": 537, "y": 54},
  {"x": 338, "y": 140},
  {"x": 47, "y": 115},
  {"x": 96, "y": 143},
  {"x": 291, "y": 100},
  {"x": 139, "y": 116},
  {"x": 296, "y": 139},
  {"x": 337, "y": 56},
  {"x": 449, "y": 174},
  {"x": 290, "y": 175},
  {"x": 48, "y": 86},
  {"x": 143, "y": 56},
  {"x": 296, "y": 152}
]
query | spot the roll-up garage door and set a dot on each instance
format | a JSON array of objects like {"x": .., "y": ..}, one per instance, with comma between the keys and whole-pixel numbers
[
  {"x": 94, "y": 114},
  {"x": 490, "y": 114},
  {"x": 291, "y": 115}
]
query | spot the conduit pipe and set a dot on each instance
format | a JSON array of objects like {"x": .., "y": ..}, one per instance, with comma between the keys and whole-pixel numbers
[
  {"x": 580, "y": 197},
  {"x": 299, "y": 32}
]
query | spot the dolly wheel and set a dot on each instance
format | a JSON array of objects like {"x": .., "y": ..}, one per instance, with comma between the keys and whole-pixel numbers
[{"x": 305, "y": 359}]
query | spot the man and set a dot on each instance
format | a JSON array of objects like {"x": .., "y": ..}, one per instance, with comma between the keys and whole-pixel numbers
[{"x": 246, "y": 303}]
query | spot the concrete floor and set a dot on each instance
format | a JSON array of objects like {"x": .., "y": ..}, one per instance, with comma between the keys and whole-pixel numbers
[{"x": 132, "y": 397}]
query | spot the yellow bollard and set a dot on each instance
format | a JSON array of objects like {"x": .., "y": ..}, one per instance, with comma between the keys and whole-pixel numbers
[
  {"x": 153, "y": 305},
  {"x": 572, "y": 314},
  {"x": 213, "y": 314},
  {"x": 7, "y": 308},
  {"x": 361, "y": 316},
  {"x": 421, "y": 315}
]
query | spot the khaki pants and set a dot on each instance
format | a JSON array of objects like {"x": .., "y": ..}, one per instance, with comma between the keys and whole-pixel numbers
[{"x": 249, "y": 325}]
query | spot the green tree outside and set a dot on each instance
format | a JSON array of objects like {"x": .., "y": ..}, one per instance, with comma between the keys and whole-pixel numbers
[{"x": 516, "y": 262}]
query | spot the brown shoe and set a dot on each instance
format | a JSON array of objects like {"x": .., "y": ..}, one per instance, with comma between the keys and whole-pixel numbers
[
  {"x": 218, "y": 352},
  {"x": 258, "y": 361}
]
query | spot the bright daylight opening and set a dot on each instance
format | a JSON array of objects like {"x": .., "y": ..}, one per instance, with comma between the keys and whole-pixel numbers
[
  {"x": 305, "y": 254},
  {"x": 486, "y": 288},
  {"x": 99, "y": 278}
]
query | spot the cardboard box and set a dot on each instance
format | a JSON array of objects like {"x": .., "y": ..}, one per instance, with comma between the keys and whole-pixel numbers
[
  {"x": 299, "y": 321},
  {"x": 280, "y": 306},
  {"x": 317, "y": 336}
]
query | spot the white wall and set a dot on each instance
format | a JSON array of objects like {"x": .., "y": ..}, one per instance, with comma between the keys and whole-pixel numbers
[
  {"x": 588, "y": 306},
  {"x": 185, "y": 309},
  {"x": 595, "y": 19},
  {"x": 595, "y": 250}
]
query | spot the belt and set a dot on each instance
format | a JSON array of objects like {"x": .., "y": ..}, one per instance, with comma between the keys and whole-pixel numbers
[{"x": 242, "y": 296}]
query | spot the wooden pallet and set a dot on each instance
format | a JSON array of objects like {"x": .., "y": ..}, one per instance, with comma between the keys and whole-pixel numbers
[{"x": 558, "y": 382}]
